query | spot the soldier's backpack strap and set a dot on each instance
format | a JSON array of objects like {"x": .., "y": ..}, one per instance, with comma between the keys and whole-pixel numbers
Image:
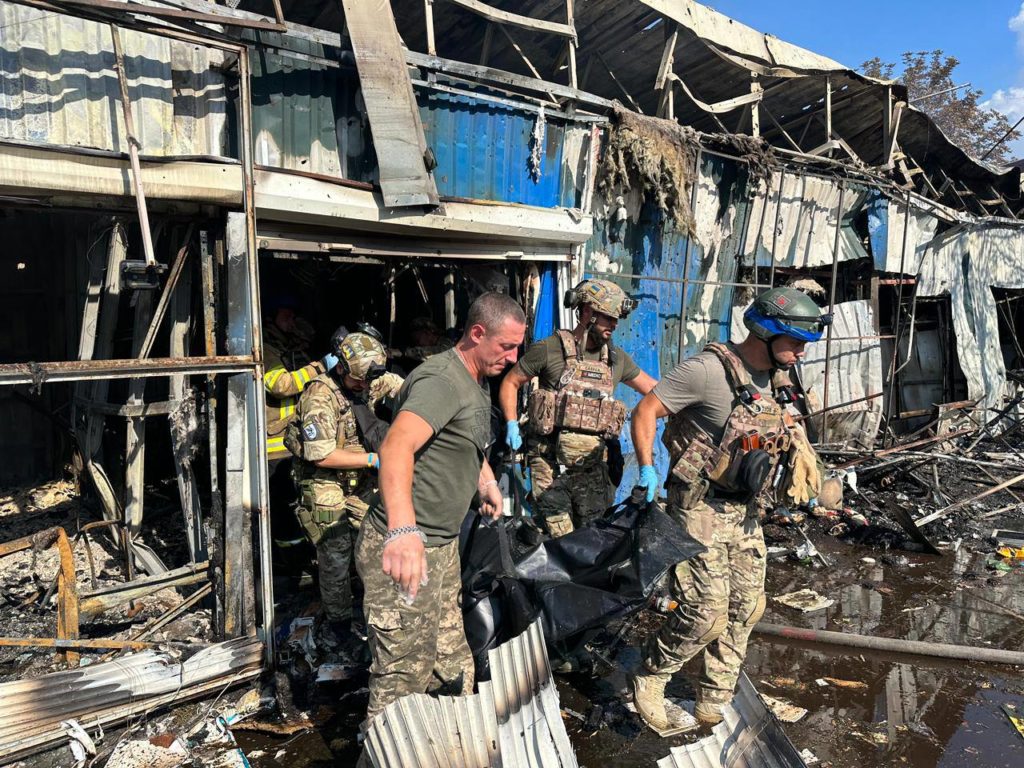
[
  {"x": 735, "y": 372},
  {"x": 568, "y": 344}
]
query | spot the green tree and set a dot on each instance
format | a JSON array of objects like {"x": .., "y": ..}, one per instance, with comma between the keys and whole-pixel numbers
[{"x": 957, "y": 112}]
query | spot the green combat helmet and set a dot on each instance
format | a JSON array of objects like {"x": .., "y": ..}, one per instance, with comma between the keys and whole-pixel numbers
[
  {"x": 360, "y": 355},
  {"x": 785, "y": 312},
  {"x": 604, "y": 296}
]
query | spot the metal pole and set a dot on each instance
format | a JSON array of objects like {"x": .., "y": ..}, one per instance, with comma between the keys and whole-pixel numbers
[
  {"x": 775, "y": 229},
  {"x": 831, "y": 308},
  {"x": 686, "y": 257},
  {"x": 133, "y": 146},
  {"x": 896, "y": 326}
]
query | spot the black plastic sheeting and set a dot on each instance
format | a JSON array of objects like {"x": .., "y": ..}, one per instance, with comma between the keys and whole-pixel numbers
[{"x": 576, "y": 583}]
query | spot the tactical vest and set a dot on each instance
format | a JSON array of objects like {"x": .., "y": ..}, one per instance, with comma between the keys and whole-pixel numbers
[
  {"x": 583, "y": 401},
  {"x": 755, "y": 423},
  {"x": 352, "y": 481}
]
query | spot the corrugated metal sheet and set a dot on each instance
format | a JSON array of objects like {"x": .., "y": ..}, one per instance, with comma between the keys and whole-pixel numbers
[
  {"x": 806, "y": 223},
  {"x": 750, "y": 736},
  {"x": 58, "y": 86},
  {"x": 887, "y": 220},
  {"x": 514, "y": 720},
  {"x": 31, "y": 710},
  {"x": 483, "y": 151},
  {"x": 855, "y": 371}
]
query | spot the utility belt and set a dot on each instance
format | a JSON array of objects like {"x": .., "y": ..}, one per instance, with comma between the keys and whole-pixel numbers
[
  {"x": 324, "y": 503},
  {"x": 738, "y": 472},
  {"x": 570, "y": 449},
  {"x": 585, "y": 413}
]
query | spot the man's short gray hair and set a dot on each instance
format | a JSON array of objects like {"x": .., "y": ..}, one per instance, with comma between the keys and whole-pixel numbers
[{"x": 492, "y": 309}]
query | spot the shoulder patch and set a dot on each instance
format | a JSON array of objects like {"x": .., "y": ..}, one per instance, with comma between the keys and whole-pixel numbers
[{"x": 310, "y": 431}]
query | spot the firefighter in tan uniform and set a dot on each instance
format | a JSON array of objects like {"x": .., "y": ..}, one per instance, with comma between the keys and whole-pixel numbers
[
  {"x": 335, "y": 438},
  {"x": 573, "y": 410},
  {"x": 731, "y": 445}
]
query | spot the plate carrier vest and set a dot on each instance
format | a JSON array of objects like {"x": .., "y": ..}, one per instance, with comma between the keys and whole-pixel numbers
[{"x": 754, "y": 423}]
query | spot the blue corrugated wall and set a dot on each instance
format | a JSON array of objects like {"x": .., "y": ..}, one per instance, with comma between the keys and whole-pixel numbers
[
  {"x": 483, "y": 150},
  {"x": 653, "y": 248}
]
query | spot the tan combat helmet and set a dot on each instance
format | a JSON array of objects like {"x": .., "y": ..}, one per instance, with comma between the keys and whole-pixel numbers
[
  {"x": 604, "y": 296},
  {"x": 360, "y": 355}
]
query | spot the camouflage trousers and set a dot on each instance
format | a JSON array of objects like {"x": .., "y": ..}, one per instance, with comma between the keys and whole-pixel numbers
[
  {"x": 566, "y": 500},
  {"x": 720, "y": 596},
  {"x": 418, "y": 648}
]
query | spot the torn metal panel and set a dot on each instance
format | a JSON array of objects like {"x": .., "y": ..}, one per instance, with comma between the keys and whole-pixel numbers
[
  {"x": 899, "y": 238},
  {"x": 855, "y": 371},
  {"x": 58, "y": 86},
  {"x": 514, "y": 720},
  {"x": 31, "y": 710},
  {"x": 806, "y": 213},
  {"x": 750, "y": 736},
  {"x": 390, "y": 104}
]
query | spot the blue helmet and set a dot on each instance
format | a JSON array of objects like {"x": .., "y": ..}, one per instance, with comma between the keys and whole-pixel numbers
[{"x": 786, "y": 312}]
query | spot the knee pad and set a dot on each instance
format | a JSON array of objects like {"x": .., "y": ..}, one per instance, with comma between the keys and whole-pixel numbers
[
  {"x": 704, "y": 628},
  {"x": 717, "y": 626},
  {"x": 757, "y": 612}
]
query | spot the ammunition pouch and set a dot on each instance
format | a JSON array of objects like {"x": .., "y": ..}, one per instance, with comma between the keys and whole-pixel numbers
[
  {"x": 576, "y": 449},
  {"x": 548, "y": 410},
  {"x": 322, "y": 503},
  {"x": 694, "y": 454}
]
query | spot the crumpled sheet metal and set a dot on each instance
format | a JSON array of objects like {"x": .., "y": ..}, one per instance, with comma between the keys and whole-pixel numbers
[
  {"x": 750, "y": 736},
  {"x": 514, "y": 720},
  {"x": 31, "y": 710}
]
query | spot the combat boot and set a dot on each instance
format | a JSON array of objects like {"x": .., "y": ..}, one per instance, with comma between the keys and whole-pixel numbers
[
  {"x": 649, "y": 698},
  {"x": 708, "y": 712}
]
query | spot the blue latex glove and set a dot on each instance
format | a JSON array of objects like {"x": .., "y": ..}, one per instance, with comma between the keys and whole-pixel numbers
[
  {"x": 373, "y": 460},
  {"x": 649, "y": 480},
  {"x": 330, "y": 361},
  {"x": 512, "y": 437}
]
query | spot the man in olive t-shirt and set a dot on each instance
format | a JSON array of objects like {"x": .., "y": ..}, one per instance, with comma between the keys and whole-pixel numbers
[
  {"x": 569, "y": 470},
  {"x": 431, "y": 466}
]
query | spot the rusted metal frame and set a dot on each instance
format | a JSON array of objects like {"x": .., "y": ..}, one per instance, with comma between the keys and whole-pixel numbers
[
  {"x": 755, "y": 107},
  {"x": 485, "y": 48},
  {"x": 428, "y": 17},
  {"x": 86, "y": 370},
  {"x": 449, "y": 66},
  {"x": 660, "y": 279},
  {"x": 893, "y": 370},
  {"x": 828, "y": 107},
  {"x": 133, "y": 145},
  {"x": 165, "y": 297},
  {"x": 775, "y": 229},
  {"x": 683, "y": 320},
  {"x": 92, "y": 604},
  {"x": 517, "y": 20},
  {"x": 831, "y": 306},
  {"x": 68, "y": 607},
  {"x": 157, "y": 408},
  {"x": 526, "y": 60},
  {"x": 262, "y": 478},
  {"x": 663, "y": 80},
  {"x": 174, "y": 13},
  {"x": 604, "y": 63},
  {"x": 520, "y": 101},
  {"x": 67, "y": 645},
  {"x": 570, "y": 15},
  {"x": 278, "y": 12}
]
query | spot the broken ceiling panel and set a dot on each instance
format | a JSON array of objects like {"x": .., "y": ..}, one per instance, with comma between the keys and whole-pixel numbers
[{"x": 390, "y": 104}]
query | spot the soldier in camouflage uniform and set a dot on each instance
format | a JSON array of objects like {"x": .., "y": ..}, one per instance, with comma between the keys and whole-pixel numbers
[
  {"x": 335, "y": 438},
  {"x": 730, "y": 441},
  {"x": 573, "y": 411}
]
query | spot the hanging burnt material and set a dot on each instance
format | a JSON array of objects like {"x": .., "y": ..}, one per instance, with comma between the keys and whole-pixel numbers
[
  {"x": 754, "y": 152},
  {"x": 655, "y": 155}
]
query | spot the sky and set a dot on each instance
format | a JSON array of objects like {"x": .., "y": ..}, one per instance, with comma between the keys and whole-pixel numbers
[{"x": 987, "y": 36}]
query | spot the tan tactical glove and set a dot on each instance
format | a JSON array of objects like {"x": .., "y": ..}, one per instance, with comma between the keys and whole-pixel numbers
[{"x": 804, "y": 475}]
